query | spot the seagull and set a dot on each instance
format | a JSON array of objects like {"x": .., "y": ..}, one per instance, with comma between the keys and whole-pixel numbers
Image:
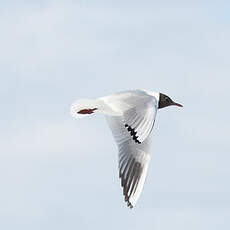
[{"x": 131, "y": 117}]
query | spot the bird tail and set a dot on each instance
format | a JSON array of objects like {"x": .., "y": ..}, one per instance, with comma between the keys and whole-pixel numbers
[{"x": 85, "y": 107}]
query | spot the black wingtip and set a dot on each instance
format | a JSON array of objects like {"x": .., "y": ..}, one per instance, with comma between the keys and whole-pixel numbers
[{"x": 129, "y": 205}]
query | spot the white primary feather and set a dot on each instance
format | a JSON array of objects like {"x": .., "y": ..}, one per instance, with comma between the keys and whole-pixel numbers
[{"x": 133, "y": 160}]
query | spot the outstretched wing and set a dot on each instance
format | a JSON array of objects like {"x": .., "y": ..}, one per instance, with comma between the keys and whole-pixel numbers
[{"x": 133, "y": 160}]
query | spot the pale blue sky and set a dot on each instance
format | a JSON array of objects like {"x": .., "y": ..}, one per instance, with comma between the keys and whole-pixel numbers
[{"x": 60, "y": 173}]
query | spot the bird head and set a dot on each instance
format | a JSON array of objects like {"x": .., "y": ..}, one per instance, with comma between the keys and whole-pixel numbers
[{"x": 165, "y": 101}]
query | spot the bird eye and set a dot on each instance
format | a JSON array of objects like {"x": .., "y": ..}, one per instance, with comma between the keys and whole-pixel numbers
[{"x": 167, "y": 99}]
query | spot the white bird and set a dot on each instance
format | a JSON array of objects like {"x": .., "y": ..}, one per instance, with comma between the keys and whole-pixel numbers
[{"x": 131, "y": 116}]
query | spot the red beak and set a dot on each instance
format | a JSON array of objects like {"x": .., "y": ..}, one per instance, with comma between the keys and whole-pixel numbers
[{"x": 177, "y": 104}]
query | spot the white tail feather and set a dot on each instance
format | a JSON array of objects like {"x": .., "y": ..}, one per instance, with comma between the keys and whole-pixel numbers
[{"x": 85, "y": 107}]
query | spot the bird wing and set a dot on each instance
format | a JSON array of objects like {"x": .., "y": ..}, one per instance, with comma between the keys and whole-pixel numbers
[
  {"x": 138, "y": 111},
  {"x": 133, "y": 160},
  {"x": 140, "y": 119}
]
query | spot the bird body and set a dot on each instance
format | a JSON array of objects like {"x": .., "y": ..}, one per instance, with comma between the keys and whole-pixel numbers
[{"x": 131, "y": 116}]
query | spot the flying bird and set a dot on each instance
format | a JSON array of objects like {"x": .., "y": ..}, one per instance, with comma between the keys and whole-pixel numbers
[{"x": 131, "y": 116}]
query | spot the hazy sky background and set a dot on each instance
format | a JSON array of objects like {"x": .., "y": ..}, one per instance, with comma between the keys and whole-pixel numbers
[{"x": 60, "y": 173}]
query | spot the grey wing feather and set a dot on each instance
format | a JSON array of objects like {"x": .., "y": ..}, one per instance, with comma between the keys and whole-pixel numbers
[
  {"x": 132, "y": 134},
  {"x": 139, "y": 121},
  {"x": 133, "y": 160}
]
